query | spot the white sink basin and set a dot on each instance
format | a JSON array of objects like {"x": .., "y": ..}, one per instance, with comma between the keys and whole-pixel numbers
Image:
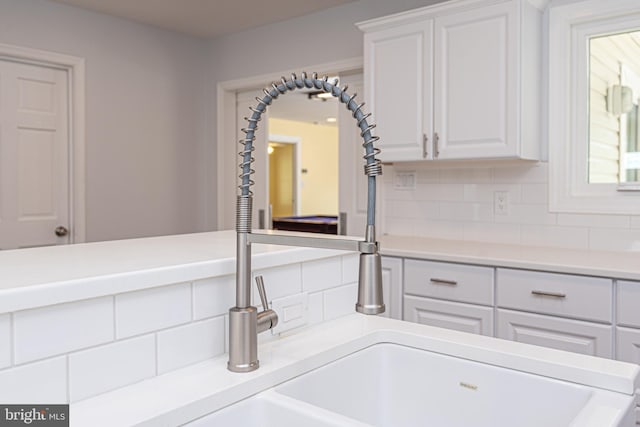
[
  {"x": 395, "y": 385},
  {"x": 271, "y": 409}
]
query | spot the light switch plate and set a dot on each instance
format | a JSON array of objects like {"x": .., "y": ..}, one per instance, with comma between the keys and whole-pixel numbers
[{"x": 405, "y": 180}]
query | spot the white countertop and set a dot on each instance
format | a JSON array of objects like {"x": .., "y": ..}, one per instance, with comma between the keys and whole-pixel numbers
[
  {"x": 56, "y": 274},
  {"x": 180, "y": 396},
  {"x": 50, "y": 275},
  {"x": 617, "y": 265}
]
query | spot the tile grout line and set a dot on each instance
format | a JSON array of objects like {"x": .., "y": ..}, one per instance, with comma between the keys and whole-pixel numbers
[
  {"x": 12, "y": 341},
  {"x": 157, "y": 354},
  {"x": 115, "y": 323},
  {"x": 68, "y": 376}
]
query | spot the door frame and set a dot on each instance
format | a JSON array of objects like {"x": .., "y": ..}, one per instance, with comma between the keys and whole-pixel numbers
[
  {"x": 75, "y": 68},
  {"x": 227, "y": 152},
  {"x": 297, "y": 164}
]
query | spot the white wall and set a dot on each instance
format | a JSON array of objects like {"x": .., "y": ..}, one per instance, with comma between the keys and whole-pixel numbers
[
  {"x": 150, "y": 156},
  {"x": 146, "y": 115}
]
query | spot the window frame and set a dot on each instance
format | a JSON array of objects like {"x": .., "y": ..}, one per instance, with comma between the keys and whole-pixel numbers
[{"x": 570, "y": 27}]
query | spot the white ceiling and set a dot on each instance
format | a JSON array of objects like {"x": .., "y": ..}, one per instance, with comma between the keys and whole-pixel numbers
[{"x": 206, "y": 18}]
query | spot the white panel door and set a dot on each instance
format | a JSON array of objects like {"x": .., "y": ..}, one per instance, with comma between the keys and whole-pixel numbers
[
  {"x": 398, "y": 80},
  {"x": 562, "y": 334},
  {"x": 475, "y": 92},
  {"x": 260, "y": 189},
  {"x": 450, "y": 315},
  {"x": 34, "y": 155}
]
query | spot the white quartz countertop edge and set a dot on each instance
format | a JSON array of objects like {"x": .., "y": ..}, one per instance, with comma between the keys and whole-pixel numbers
[
  {"x": 180, "y": 396},
  {"x": 615, "y": 265},
  {"x": 31, "y": 278}
]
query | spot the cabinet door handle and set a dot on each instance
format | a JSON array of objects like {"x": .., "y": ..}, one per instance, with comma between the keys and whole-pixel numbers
[
  {"x": 436, "y": 149},
  {"x": 548, "y": 294},
  {"x": 425, "y": 140},
  {"x": 443, "y": 282}
]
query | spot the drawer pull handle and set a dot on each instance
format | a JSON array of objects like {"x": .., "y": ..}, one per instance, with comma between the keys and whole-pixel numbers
[
  {"x": 443, "y": 282},
  {"x": 548, "y": 294}
]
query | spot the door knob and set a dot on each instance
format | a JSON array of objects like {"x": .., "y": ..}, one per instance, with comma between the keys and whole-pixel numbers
[{"x": 61, "y": 231}]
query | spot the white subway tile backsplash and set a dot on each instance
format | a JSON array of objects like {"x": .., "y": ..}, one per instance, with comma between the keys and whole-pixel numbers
[
  {"x": 439, "y": 229},
  {"x": 610, "y": 239},
  {"x": 48, "y": 331},
  {"x": 442, "y": 192},
  {"x": 278, "y": 282},
  {"x": 321, "y": 274},
  {"x": 213, "y": 296},
  {"x": 591, "y": 220},
  {"x": 522, "y": 173},
  {"x": 293, "y": 312},
  {"x": 486, "y": 192},
  {"x": 316, "y": 308},
  {"x": 40, "y": 382},
  {"x": 453, "y": 211},
  {"x": 192, "y": 343},
  {"x": 414, "y": 209},
  {"x": 111, "y": 366},
  {"x": 350, "y": 268},
  {"x": 528, "y": 214},
  {"x": 340, "y": 301},
  {"x": 5, "y": 340},
  {"x": 401, "y": 226},
  {"x": 487, "y": 231},
  {"x": 427, "y": 176},
  {"x": 464, "y": 175},
  {"x": 152, "y": 309},
  {"x": 451, "y": 198},
  {"x": 535, "y": 193},
  {"x": 555, "y": 236}
]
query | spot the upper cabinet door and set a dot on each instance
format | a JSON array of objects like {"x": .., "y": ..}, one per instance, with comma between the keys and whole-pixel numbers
[
  {"x": 398, "y": 82},
  {"x": 456, "y": 80},
  {"x": 476, "y": 87}
]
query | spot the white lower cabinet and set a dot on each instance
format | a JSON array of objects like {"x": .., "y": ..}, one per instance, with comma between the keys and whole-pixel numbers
[
  {"x": 562, "y": 311},
  {"x": 447, "y": 314},
  {"x": 392, "y": 287},
  {"x": 562, "y": 334},
  {"x": 628, "y": 350}
]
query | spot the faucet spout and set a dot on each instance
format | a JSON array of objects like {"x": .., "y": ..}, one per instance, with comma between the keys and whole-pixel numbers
[{"x": 244, "y": 320}]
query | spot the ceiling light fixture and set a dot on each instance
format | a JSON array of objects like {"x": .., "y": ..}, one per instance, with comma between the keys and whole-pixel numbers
[{"x": 319, "y": 95}]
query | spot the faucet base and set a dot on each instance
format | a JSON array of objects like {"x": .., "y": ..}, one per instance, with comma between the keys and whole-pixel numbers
[
  {"x": 243, "y": 339},
  {"x": 370, "y": 285}
]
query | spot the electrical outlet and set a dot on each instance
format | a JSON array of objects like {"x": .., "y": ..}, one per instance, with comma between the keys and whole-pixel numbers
[{"x": 501, "y": 203}]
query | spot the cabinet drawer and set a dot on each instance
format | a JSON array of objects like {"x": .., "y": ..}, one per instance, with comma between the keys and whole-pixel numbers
[
  {"x": 628, "y": 301},
  {"x": 456, "y": 282},
  {"x": 628, "y": 345},
  {"x": 559, "y": 294},
  {"x": 562, "y": 334},
  {"x": 449, "y": 315}
]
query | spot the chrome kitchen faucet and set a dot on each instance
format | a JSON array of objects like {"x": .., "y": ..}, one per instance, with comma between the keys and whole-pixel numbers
[{"x": 244, "y": 320}]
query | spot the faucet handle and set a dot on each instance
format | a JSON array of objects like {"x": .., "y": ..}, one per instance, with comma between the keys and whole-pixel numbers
[
  {"x": 267, "y": 318},
  {"x": 262, "y": 292}
]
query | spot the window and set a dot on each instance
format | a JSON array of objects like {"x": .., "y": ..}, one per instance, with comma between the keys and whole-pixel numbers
[{"x": 594, "y": 92}]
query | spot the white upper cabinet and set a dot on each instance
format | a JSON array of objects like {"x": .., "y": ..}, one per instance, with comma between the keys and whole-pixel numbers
[
  {"x": 458, "y": 80},
  {"x": 399, "y": 86}
]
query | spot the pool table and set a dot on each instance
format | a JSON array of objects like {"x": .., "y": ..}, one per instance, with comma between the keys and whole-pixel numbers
[{"x": 325, "y": 224}]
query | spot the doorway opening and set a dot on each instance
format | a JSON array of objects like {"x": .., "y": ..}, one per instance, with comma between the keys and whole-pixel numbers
[
  {"x": 347, "y": 159},
  {"x": 284, "y": 175}
]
